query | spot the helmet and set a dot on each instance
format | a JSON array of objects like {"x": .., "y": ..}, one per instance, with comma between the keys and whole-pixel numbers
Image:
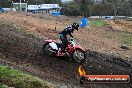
[{"x": 75, "y": 26}]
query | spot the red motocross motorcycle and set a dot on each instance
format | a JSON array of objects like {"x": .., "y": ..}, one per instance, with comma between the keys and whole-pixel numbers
[{"x": 72, "y": 51}]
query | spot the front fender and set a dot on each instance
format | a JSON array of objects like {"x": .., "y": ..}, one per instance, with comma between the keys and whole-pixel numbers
[{"x": 79, "y": 47}]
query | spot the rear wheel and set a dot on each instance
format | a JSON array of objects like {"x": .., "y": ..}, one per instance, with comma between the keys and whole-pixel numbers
[
  {"x": 47, "y": 50},
  {"x": 78, "y": 56}
]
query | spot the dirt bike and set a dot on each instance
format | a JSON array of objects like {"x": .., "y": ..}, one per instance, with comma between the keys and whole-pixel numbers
[{"x": 73, "y": 51}]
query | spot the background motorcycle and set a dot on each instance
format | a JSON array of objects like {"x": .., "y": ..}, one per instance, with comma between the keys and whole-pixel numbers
[{"x": 73, "y": 51}]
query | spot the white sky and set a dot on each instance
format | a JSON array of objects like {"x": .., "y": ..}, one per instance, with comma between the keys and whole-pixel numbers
[{"x": 65, "y": 0}]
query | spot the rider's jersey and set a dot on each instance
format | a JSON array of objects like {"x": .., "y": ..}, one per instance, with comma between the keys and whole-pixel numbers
[{"x": 67, "y": 31}]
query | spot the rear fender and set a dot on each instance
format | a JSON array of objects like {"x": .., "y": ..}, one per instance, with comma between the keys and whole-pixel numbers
[
  {"x": 48, "y": 41},
  {"x": 53, "y": 45}
]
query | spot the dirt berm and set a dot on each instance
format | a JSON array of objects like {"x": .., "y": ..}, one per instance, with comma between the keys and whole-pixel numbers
[{"x": 24, "y": 51}]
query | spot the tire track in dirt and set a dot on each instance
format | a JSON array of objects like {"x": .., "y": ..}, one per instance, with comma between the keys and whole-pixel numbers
[{"x": 26, "y": 51}]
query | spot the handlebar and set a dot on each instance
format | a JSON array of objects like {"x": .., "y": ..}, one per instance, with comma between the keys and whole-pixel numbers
[{"x": 71, "y": 40}]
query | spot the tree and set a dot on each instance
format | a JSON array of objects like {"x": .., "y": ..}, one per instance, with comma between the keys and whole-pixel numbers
[
  {"x": 130, "y": 6},
  {"x": 84, "y": 7},
  {"x": 71, "y": 8},
  {"x": 5, "y": 3}
]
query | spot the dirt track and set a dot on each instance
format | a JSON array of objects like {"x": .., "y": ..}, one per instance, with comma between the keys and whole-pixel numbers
[
  {"x": 100, "y": 39},
  {"x": 24, "y": 50}
]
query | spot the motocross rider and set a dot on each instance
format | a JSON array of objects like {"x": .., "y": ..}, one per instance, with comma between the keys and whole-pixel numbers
[{"x": 67, "y": 31}]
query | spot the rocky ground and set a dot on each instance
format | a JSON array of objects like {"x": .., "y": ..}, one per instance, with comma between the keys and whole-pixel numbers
[{"x": 23, "y": 50}]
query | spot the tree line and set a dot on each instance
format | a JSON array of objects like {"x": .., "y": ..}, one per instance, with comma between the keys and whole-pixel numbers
[
  {"x": 85, "y": 7},
  {"x": 99, "y": 8}
]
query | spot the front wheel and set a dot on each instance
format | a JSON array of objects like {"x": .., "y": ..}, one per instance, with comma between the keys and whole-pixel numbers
[{"x": 78, "y": 56}]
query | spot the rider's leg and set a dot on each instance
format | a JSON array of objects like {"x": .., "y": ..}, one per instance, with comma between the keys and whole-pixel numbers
[
  {"x": 61, "y": 37},
  {"x": 64, "y": 43}
]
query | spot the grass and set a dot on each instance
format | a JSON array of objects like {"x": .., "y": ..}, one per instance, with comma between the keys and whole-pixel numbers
[
  {"x": 126, "y": 39},
  {"x": 4, "y": 86},
  {"x": 99, "y": 23},
  {"x": 17, "y": 79}
]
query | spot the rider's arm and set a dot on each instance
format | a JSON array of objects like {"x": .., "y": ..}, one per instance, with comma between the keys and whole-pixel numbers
[
  {"x": 69, "y": 30},
  {"x": 70, "y": 34}
]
